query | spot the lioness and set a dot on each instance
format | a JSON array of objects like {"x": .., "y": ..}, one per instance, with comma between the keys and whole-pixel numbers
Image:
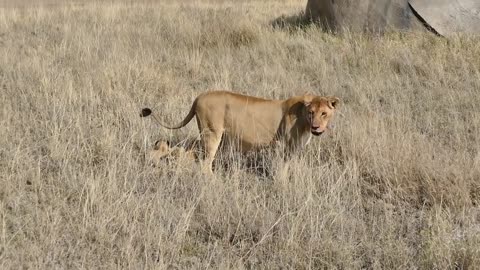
[{"x": 251, "y": 122}]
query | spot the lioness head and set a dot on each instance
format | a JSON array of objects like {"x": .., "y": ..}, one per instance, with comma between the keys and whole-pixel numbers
[{"x": 319, "y": 111}]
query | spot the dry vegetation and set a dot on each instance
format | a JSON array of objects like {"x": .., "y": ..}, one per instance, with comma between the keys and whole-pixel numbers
[{"x": 396, "y": 184}]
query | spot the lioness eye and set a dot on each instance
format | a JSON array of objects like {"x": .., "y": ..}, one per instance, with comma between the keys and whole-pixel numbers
[{"x": 324, "y": 113}]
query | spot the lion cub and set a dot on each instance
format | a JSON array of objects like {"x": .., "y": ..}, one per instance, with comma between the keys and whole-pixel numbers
[{"x": 184, "y": 150}]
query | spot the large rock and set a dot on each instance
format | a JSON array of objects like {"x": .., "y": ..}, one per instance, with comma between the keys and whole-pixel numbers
[
  {"x": 444, "y": 16},
  {"x": 449, "y": 16}
]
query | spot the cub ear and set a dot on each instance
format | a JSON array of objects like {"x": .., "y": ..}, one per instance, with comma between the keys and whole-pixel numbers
[
  {"x": 161, "y": 145},
  {"x": 333, "y": 102}
]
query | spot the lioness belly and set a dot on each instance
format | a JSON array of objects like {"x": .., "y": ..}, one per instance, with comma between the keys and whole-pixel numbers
[
  {"x": 242, "y": 144},
  {"x": 250, "y": 130}
]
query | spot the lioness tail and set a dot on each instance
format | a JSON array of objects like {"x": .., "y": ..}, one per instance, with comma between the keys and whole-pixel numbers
[{"x": 147, "y": 111}]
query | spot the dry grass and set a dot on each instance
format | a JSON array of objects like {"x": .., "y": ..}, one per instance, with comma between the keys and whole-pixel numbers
[{"x": 395, "y": 185}]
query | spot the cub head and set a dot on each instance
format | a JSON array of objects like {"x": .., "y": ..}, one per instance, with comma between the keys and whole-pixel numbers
[
  {"x": 319, "y": 111},
  {"x": 161, "y": 150}
]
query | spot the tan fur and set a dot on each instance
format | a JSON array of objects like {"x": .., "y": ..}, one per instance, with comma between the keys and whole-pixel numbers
[
  {"x": 183, "y": 151},
  {"x": 250, "y": 122}
]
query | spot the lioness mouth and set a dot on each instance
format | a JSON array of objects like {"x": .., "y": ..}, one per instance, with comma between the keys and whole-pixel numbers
[{"x": 316, "y": 131}]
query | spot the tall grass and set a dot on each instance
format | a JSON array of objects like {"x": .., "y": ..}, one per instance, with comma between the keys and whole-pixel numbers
[{"x": 394, "y": 185}]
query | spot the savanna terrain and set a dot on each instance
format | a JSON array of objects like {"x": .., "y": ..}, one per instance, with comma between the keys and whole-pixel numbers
[{"x": 394, "y": 185}]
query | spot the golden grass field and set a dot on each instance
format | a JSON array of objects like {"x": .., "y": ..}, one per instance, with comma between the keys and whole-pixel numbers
[{"x": 395, "y": 185}]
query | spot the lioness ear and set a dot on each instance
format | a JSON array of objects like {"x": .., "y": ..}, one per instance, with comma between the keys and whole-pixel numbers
[
  {"x": 307, "y": 100},
  {"x": 333, "y": 102},
  {"x": 307, "y": 93}
]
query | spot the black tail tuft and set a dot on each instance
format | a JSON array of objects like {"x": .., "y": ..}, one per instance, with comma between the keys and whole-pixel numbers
[{"x": 145, "y": 112}]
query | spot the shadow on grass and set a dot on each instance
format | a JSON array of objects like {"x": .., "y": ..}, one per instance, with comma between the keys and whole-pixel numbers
[{"x": 258, "y": 165}]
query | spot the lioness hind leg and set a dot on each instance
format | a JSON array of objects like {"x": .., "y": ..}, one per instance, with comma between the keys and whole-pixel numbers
[{"x": 211, "y": 141}]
